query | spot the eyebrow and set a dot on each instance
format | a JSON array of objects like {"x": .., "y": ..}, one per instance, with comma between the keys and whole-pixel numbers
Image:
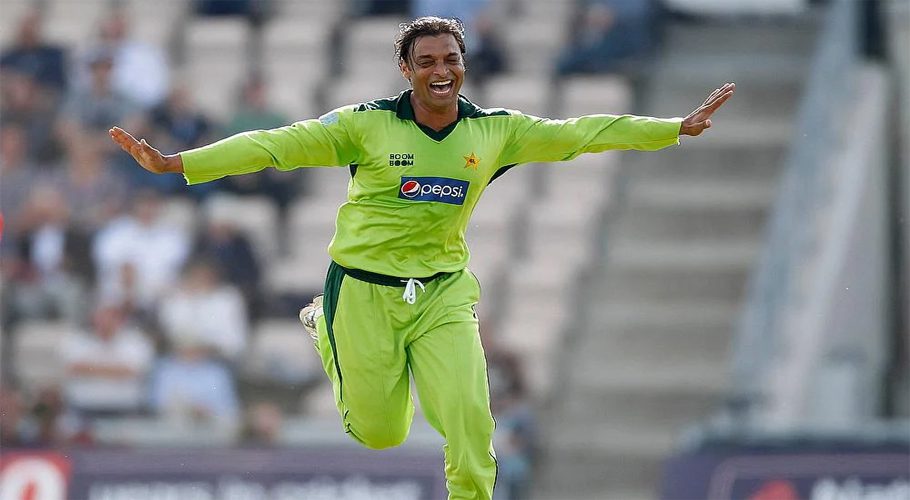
[{"x": 430, "y": 56}]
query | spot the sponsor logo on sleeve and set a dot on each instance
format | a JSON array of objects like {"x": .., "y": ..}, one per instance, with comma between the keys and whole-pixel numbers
[
  {"x": 439, "y": 189},
  {"x": 329, "y": 118}
]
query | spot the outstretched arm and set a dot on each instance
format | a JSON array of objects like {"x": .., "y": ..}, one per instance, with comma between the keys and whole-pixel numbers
[
  {"x": 148, "y": 157},
  {"x": 700, "y": 119}
]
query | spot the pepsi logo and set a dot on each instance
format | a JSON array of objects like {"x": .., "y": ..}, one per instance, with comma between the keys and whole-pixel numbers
[
  {"x": 410, "y": 189},
  {"x": 435, "y": 189}
]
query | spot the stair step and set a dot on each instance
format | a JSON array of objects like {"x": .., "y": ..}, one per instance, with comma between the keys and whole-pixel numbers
[
  {"x": 665, "y": 411},
  {"x": 596, "y": 475},
  {"x": 592, "y": 373},
  {"x": 674, "y": 285},
  {"x": 748, "y": 36},
  {"x": 744, "y": 163},
  {"x": 690, "y": 223},
  {"x": 701, "y": 194},
  {"x": 656, "y": 315},
  {"x": 645, "y": 255},
  {"x": 671, "y": 344},
  {"x": 755, "y": 100},
  {"x": 641, "y": 441}
]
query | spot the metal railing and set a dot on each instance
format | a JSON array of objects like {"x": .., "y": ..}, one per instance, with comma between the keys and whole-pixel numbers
[{"x": 773, "y": 287}]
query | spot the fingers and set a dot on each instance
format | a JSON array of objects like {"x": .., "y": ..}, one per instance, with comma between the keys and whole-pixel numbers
[
  {"x": 727, "y": 87},
  {"x": 718, "y": 101},
  {"x": 144, "y": 154}
]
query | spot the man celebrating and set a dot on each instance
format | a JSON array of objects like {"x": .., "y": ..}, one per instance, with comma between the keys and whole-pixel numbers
[{"x": 398, "y": 296}]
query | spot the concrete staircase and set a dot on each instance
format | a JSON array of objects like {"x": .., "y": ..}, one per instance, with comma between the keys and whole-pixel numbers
[{"x": 651, "y": 355}]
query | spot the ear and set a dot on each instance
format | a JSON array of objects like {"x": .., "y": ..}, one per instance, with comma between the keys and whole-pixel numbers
[{"x": 405, "y": 70}]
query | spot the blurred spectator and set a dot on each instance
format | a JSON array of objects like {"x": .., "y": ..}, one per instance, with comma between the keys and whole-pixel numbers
[
  {"x": 106, "y": 368},
  {"x": 610, "y": 31},
  {"x": 263, "y": 425},
  {"x": 465, "y": 10},
  {"x": 178, "y": 125},
  {"x": 55, "y": 268},
  {"x": 379, "y": 7},
  {"x": 191, "y": 384},
  {"x": 94, "y": 191},
  {"x": 254, "y": 10},
  {"x": 233, "y": 254},
  {"x": 23, "y": 103},
  {"x": 487, "y": 55},
  {"x": 17, "y": 428},
  {"x": 139, "y": 70},
  {"x": 30, "y": 54},
  {"x": 50, "y": 415},
  {"x": 207, "y": 308},
  {"x": 139, "y": 256},
  {"x": 90, "y": 111},
  {"x": 515, "y": 437},
  {"x": 254, "y": 113},
  {"x": 19, "y": 174}
]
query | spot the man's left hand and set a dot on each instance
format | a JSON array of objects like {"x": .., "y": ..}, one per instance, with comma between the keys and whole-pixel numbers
[{"x": 700, "y": 119}]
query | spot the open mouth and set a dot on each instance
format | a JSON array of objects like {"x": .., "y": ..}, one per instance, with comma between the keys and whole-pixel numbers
[{"x": 442, "y": 88}]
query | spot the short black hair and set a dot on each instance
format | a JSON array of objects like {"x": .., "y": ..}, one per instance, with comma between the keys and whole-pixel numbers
[{"x": 423, "y": 26}]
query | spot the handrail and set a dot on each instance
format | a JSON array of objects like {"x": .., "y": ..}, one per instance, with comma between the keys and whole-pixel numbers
[{"x": 772, "y": 288}]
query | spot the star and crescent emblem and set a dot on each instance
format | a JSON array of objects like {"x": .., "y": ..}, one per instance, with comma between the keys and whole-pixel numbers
[{"x": 471, "y": 161}]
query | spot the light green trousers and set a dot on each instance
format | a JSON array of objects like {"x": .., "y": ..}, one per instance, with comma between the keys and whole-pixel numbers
[{"x": 369, "y": 337}]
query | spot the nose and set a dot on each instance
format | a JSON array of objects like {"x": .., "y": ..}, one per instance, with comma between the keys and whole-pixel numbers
[{"x": 440, "y": 69}]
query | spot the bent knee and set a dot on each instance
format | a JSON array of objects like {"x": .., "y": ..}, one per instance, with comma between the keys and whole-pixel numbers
[
  {"x": 380, "y": 439},
  {"x": 383, "y": 442}
]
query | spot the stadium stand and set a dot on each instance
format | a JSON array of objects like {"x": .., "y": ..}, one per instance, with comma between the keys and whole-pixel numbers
[{"x": 615, "y": 280}]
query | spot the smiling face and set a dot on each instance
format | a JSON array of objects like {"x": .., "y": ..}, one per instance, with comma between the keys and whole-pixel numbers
[{"x": 435, "y": 69}]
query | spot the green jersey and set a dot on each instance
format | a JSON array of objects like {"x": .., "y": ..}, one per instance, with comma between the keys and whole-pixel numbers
[{"x": 413, "y": 189}]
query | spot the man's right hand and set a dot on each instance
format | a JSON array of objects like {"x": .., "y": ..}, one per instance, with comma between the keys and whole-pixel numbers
[{"x": 146, "y": 156}]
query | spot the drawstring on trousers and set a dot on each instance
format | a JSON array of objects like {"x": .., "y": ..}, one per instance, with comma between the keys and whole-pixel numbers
[{"x": 410, "y": 291}]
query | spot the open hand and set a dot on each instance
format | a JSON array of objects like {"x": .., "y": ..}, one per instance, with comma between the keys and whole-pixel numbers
[
  {"x": 146, "y": 156},
  {"x": 700, "y": 119}
]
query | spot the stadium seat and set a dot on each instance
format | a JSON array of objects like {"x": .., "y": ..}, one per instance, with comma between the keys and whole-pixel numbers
[
  {"x": 369, "y": 54},
  {"x": 281, "y": 351},
  {"x": 327, "y": 13},
  {"x": 73, "y": 24},
  {"x": 516, "y": 91},
  {"x": 215, "y": 36},
  {"x": 581, "y": 95},
  {"x": 533, "y": 45},
  {"x": 35, "y": 355},
  {"x": 255, "y": 216},
  {"x": 295, "y": 62},
  {"x": 155, "y": 22},
  {"x": 554, "y": 11},
  {"x": 13, "y": 10},
  {"x": 181, "y": 213},
  {"x": 157, "y": 432},
  {"x": 351, "y": 89}
]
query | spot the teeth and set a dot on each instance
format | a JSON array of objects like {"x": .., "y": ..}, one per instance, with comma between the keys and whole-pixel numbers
[{"x": 441, "y": 84}]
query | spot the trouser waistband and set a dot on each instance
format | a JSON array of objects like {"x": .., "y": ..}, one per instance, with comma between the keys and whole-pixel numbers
[{"x": 383, "y": 279}]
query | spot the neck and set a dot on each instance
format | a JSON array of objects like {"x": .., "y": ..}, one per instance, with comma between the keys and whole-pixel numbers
[{"x": 436, "y": 119}]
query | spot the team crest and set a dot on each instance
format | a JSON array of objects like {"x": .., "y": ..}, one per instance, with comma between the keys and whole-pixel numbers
[{"x": 471, "y": 162}]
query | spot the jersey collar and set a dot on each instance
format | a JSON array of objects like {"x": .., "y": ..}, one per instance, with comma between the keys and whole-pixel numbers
[{"x": 405, "y": 111}]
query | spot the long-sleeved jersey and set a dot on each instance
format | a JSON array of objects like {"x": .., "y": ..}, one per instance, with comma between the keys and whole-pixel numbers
[{"x": 413, "y": 189}]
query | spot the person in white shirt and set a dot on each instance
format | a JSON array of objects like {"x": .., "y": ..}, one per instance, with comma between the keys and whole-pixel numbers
[
  {"x": 206, "y": 307},
  {"x": 140, "y": 69},
  {"x": 107, "y": 367},
  {"x": 139, "y": 256}
]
